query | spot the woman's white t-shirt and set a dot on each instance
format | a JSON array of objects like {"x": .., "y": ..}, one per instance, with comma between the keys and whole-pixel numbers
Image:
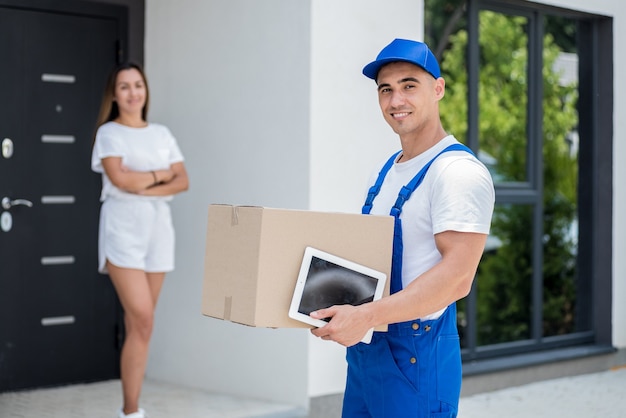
[
  {"x": 141, "y": 149},
  {"x": 456, "y": 194}
]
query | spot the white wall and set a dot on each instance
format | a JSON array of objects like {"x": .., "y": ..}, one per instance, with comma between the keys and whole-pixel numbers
[
  {"x": 349, "y": 136},
  {"x": 270, "y": 108},
  {"x": 619, "y": 178},
  {"x": 231, "y": 80}
]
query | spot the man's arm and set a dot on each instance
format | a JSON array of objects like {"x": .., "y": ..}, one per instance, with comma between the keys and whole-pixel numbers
[{"x": 448, "y": 281}]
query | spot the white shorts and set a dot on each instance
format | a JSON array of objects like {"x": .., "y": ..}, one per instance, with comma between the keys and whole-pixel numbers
[{"x": 136, "y": 234}]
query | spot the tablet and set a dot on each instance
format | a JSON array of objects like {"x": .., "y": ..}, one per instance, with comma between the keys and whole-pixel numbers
[{"x": 326, "y": 280}]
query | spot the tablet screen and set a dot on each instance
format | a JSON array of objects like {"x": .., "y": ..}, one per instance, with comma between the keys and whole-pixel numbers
[
  {"x": 325, "y": 280},
  {"x": 329, "y": 284}
]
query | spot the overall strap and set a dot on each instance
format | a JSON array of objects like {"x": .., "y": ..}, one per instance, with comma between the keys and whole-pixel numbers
[
  {"x": 375, "y": 189},
  {"x": 406, "y": 191},
  {"x": 396, "y": 210}
]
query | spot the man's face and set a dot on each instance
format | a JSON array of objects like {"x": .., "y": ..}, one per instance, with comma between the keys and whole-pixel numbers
[{"x": 408, "y": 97}]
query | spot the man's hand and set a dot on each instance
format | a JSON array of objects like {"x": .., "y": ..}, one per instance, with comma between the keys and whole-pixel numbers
[{"x": 348, "y": 324}]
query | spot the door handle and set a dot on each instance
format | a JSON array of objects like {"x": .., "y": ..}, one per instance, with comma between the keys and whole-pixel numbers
[{"x": 8, "y": 203}]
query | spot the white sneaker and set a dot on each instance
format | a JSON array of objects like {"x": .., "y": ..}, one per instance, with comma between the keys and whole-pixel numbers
[{"x": 139, "y": 414}]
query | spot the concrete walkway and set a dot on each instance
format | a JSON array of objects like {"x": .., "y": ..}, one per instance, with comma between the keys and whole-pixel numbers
[
  {"x": 586, "y": 396},
  {"x": 160, "y": 400}
]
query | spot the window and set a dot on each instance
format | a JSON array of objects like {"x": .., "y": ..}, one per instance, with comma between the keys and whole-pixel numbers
[{"x": 523, "y": 91}]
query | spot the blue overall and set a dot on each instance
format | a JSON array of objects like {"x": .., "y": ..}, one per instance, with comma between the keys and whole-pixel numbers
[{"x": 413, "y": 369}]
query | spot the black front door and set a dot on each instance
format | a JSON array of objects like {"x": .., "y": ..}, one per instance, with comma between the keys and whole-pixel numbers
[{"x": 59, "y": 319}]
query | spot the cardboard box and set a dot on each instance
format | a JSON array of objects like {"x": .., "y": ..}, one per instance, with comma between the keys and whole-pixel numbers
[{"x": 253, "y": 256}]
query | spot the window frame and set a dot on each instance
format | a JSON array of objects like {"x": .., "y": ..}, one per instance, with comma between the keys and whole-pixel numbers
[{"x": 595, "y": 108}]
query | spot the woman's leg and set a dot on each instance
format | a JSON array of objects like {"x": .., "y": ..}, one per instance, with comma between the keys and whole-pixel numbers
[
  {"x": 138, "y": 292},
  {"x": 155, "y": 281}
]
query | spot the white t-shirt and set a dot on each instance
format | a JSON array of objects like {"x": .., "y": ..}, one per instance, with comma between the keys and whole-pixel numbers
[
  {"x": 141, "y": 149},
  {"x": 456, "y": 194}
]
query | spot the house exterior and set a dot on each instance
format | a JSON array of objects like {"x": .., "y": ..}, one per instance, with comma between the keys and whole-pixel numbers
[{"x": 267, "y": 101}]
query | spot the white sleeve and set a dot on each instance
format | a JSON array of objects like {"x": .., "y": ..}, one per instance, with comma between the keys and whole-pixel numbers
[
  {"x": 175, "y": 155},
  {"x": 463, "y": 198},
  {"x": 106, "y": 144}
]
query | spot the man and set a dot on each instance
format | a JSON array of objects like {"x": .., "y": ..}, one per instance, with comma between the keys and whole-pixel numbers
[{"x": 414, "y": 369}]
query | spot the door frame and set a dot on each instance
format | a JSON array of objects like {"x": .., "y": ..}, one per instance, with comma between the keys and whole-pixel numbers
[
  {"x": 117, "y": 11},
  {"x": 131, "y": 16}
]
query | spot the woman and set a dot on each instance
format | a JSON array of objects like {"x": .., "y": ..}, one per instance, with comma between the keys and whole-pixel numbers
[{"x": 142, "y": 168}]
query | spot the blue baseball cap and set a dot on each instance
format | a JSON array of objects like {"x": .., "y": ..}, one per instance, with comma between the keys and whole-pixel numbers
[{"x": 405, "y": 50}]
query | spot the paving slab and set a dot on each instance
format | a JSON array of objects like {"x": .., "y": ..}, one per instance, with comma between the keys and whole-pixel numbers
[{"x": 586, "y": 396}]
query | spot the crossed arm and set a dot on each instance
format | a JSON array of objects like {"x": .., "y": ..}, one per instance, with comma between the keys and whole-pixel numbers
[
  {"x": 149, "y": 183},
  {"x": 448, "y": 281}
]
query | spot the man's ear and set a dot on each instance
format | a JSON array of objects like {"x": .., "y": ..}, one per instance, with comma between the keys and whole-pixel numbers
[{"x": 440, "y": 88}]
